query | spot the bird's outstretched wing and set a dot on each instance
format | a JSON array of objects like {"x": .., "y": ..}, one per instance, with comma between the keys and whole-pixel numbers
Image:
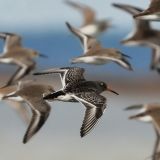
[
  {"x": 95, "y": 105},
  {"x": 69, "y": 75},
  {"x": 88, "y": 42},
  {"x": 11, "y": 40},
  {"x": 40, "y": 112},
  {"x": 88, "y": 13}
]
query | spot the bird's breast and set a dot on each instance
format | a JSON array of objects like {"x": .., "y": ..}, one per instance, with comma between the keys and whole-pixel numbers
[
  {"x": 6, "y": 60},
  {"x": 91, "y": 30}
]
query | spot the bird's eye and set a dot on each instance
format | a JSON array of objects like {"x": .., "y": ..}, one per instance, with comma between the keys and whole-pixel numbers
[{"x": 102, "y": 84}]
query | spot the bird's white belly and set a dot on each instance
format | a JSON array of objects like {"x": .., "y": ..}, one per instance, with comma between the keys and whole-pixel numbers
[
  {"x": 91, "y": 30},
  {"x": 93, "y": 60},
  {"x": 18, "y": 98},
  {"x": 150, "y": 17},
  {"x": 65, "y": 98},
  {"x": 6, "y": 60},
  {"x": 145, "y": 119},
  {"x": 133, "y": 43}
]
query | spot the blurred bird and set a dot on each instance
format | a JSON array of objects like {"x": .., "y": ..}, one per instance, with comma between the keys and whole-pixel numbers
[
  {"x": 149, "y": 113},
  {"x": 19, "y": 106},
  {"x": 15, "y": 53},
  {"x": 32, "y": 95},
  {"x": 75, "y": 87},
  {"x": 151, "y": 13},
  {"x": 95, "y": 54},
  {"x": 143, "y": 35},
  {"x": 91, "y": 25}
]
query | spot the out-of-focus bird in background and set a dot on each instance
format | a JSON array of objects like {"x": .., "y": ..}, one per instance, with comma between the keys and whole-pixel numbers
[
  {"x": 149, "y": 113},
  {"x": 15, "y": 53},
  {"x": 91, "y": 26},
  {"x": 95, "y": 54},
  {"x": 18, "y": 106},
  {"x": 152, "y": 13},
  {"x": 143, "y": 35},
  {"x": 32, "y": 93}
]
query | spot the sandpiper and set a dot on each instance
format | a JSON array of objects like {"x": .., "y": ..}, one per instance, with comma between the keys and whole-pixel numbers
[
  {"x": 149, "y": 113},
  {"x": 32, "y": 95},
  {"x": 19, "y": 106},
  {"x": 95, "y": 54},
  {"x": 15, "y": 53},
  {"x": 91, "y": 25},
  {"x": 151, "y": 13},
  {"x": 75, "y": 87},
  {"x": 143, "y": 35}
]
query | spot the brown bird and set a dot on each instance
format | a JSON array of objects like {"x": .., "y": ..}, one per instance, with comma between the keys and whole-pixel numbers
[
  {"x": 32, "y": 94},
  {"x": 91, "y": 26},
  {"x": 18, "y": 106},
  {"x": 143, "y": 35},
  {"x": 151, "y": 13},
  {"x": 95, "y": 54},
  {"x": 15, "y": 53},
  {"x": 149, "y": 113}
]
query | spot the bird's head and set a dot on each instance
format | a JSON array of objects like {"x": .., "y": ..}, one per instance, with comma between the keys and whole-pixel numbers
[{"x": 104, "y": 87}]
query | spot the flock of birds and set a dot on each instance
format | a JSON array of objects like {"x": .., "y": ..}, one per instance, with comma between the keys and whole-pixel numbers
[{"x": 75, "y": 88}]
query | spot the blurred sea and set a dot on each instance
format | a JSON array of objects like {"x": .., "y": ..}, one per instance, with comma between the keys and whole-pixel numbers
[{"x": 115, "y": 137}]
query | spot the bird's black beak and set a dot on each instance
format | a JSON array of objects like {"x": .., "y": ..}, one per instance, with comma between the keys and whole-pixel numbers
[
  {"x": 108, "y": 89},
  {"x": 43, "y": 55}
]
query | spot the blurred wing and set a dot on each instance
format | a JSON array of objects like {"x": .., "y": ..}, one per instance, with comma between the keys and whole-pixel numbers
[
  {"x": 40, "y": 110},
  {"x": 128, "y": 8},
  {"x": 140, "y": 24},
  {"x": 26, "y": 66},
  {"x": 11, "y": 40},
  {"x": 88, "y": 42},
  {"x": 156, "y": 118},
  {"x": 67, "y": 74},
  {"x": 153, "y": 8},
  {"x": 88, "y": 13},
  {"x": 21, "y": 109},
  {"x": 155, "y": 62},
  {"x": 95, "y": 105},
  {"x": 134, "y": 107}
]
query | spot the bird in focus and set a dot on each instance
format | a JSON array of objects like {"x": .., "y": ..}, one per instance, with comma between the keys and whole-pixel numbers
[{"x": 76, "y": 88}]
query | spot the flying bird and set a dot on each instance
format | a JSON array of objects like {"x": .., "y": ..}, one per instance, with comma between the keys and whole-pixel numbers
[
  {"x": 152, "y": 13},
  {"x": 95, "y": 54},
  {"x": 143, "y": 35},
  {"x": 91, "y": 26},
  {"x": 32, "y": 95},
  {"x": 76, "y": 88},
  {"x": 149, "y": 113},
  {"x": 15, "y": 53},
  {"x": 18, "y": 106}
]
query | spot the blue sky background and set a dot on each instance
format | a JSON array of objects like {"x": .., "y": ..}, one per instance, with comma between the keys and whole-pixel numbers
[{"x": 45, "y": 15}]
